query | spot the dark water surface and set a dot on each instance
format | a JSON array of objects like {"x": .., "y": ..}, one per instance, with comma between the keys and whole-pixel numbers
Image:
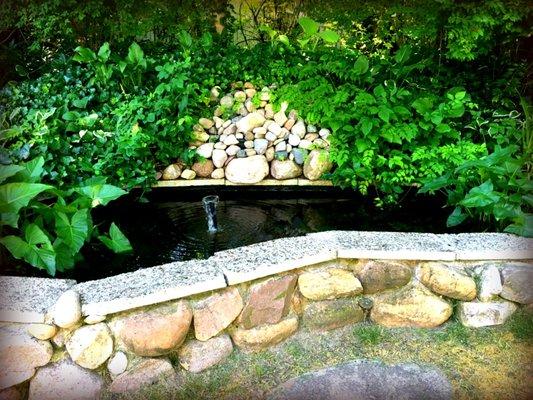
[{"x": 172, "y": 226}]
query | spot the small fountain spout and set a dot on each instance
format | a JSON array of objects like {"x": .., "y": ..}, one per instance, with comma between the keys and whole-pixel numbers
[{"x": 210, "y": 207}]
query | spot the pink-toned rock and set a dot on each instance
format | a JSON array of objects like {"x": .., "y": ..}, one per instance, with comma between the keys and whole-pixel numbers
[
  {"x": 11, "y": 393},
  {"x": 196, "y": 356},
  {"x": 156, "y": 331},
  {"x": 65, "y": 381},
  {"x": 214, "y": 313},
  {"x": 265, "y": 335},
  {"x": 268, "y": 302},
  {"x": 146, "y": 372},
  {"x": 20, "y": 355},
  {"x": 203, "y": 168}
]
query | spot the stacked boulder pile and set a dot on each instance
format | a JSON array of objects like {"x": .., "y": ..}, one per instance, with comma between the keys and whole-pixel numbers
[{"x": 247, "y": 140}]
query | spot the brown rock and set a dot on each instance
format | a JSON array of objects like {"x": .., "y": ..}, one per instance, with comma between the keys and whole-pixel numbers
[
  {"x": 269, "y": 301},
  {"x": 448, "y": 281},
  {"x": 376, "y": 276},
  {"x": 265, "y": 335},
  {"x": 196, "y": 356},
  {"x": 410, "y": 306},
  {"x": 156, "y": 331},
  {"x": 20, "y": 355},
  {"x": 332, "y": 314},
  {"x": 329, "y": 283},
  {"x": 146, "y": 372},
  {"x": 203, "y": 169},
  {"x": 214, "y": 313},
  {"x": 65, "y": 381}
]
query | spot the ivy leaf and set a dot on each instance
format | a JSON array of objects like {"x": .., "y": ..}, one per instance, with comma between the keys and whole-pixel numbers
[
  {"x": 361, "y": 65},
  {"x": 14, "y": 196},
  {"x": 422, "y": 105},
  {"x": 366, "y": 125},
  {"x": 481, "y": 196},
  {"x": 456, "y": 217},
  {"x": 116, "y": 241},
  {"x": 309, "y": 26},
  {"x": 80, "y": 103},
  {"x": 329, "y": 36}
]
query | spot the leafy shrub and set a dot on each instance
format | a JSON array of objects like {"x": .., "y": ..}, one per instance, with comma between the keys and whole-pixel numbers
[{"x": 49, "y": 226}]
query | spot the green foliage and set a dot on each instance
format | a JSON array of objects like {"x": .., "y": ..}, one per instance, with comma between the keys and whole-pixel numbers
[
  {"x": 47, "y": 226},
  {"x": 521, "y": 325}
]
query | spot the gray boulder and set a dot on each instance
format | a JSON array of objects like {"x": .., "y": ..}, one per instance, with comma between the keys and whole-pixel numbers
[{"x": 363, "y": 380}]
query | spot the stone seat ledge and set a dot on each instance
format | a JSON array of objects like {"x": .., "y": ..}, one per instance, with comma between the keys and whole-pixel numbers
[{"x": 28, "y": 299}]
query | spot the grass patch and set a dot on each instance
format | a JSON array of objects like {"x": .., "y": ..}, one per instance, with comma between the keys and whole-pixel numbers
[
  {"x": 521, "y": 325},
  {"x": 481, "y": 363},
  {"x": 369, "y": 335}
]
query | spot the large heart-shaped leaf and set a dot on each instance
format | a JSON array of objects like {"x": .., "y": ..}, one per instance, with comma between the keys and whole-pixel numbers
[
  {"x": 329, "y": 36},
  {"x": 101, "y": 193},
  {"x": 32, "y": 170},
  {"x": 481, "y": 196},
  {"x": 7, "y": 171},
  {"x": 14, "y": 196},
  {"x": 456, "y": 217},
  {"x": 361, "y": 65},
  {"x": 72, "y": 232},
  {"x": 116, "y": 241},
  {"x": 309, "y": 26}
]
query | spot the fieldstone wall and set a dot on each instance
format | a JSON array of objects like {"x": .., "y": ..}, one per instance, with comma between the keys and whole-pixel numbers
[
  {"x": 70, "y": 356},
  {"x": 246, "y": 141}
]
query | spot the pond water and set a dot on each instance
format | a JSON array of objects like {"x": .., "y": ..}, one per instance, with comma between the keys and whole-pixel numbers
[{"x": 173, "y": 225}]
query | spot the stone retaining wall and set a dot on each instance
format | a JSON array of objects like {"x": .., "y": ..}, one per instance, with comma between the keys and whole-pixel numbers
[{"x": 65, "y": 340}]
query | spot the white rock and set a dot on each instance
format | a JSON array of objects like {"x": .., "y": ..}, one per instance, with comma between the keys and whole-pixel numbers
[
  {"x": 305, "y": 144},
  {"x": 260, "y": 145},
  {"x": 260, "y": 131},
  {"x": 477, "y": 314},
  {"x": 218, "y": 122},
  {"x": 249, "y": 105},
  {"x": 173, "y": 171},
  {"x": 232, "y": 150},
  {"x": 294, "y": 140},
  {"x": 249, "y": 144},
  {"x": 219, "y": 157},
  {"x": 324, "y": 133},
  {"x": 65, "y": 381},
  {"x": 281, "y": 146},
  {"x": 205, "y": 150},
  {"x": 280, "y": 116},
  {"x": 490, "y": 282},
  {"x": 269, "y": 111},
  {"x": 269, "y": 154},
  {"x": 274, "y": 128},
  {"x": 230, "y": 139},
  {"x": 227, "y": 101},
  {"x": 225, "y": 124},
  {"x": 118, "y": 363},
  {"x": 220, "y": 146},
  {"x": 91, "y": 345},
  {"x": 67, "y": 310},
  {"x": 218, "y": 173},
  {"x": 94, "y": 319},
  {"x": 188, "y": 174},
  {"x": 247, "y": 170},
  {"x": 240, "y": 96},
  {"x": 239, "y": 136},
  {"x": 42, "y": 331},
  {"x": 270, "y": 136},
  {"x": 299, "y": 129},
  {"x": 251, "y": 121},
  {"x": 230, "y": 129}
]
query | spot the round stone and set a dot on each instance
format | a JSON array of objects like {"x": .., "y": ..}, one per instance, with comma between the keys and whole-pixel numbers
[
  {"x": 91, "y": 345},
  {"x": 67, "y": 310},
  {"x": 118, "y": 363}
]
